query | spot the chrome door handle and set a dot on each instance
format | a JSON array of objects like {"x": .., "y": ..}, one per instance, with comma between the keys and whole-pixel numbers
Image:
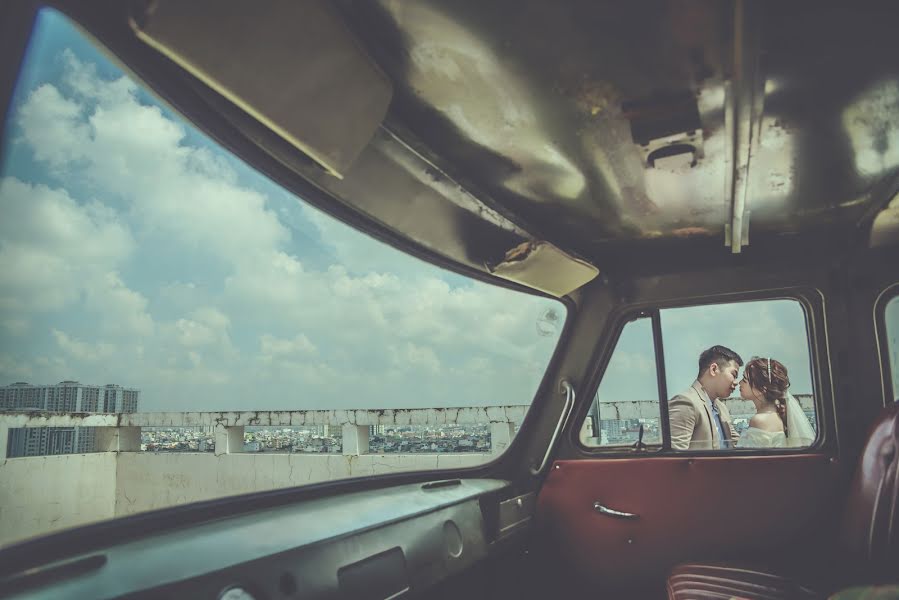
[{"x": 612, "y": 512}]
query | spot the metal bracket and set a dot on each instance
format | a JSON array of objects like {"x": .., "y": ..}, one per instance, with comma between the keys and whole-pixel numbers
[{"x": 563, "y": 418}]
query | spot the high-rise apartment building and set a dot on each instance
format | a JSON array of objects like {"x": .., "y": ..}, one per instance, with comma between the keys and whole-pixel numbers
[
  {"x": 119, "y": 399},
  {"x": 129, "y": 401},
  {"x": 69, "y": 396},
  {"x": 66, "y": 397},
  {"x": 23, "y": 397}
]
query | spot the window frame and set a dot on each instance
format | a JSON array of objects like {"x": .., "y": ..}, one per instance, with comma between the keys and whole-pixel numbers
[
  {"x": 622, "y": 323},
  {"x": 882, "y": 342},
  {"x": 812, "y": 303},
  {"x": 194, "y": 110}
]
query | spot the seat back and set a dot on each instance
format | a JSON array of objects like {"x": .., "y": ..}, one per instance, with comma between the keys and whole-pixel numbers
[{"x": 871, "y": 521}]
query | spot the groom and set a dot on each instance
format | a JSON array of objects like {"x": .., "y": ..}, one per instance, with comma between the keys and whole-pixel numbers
[{"x": 699, "y": 420}]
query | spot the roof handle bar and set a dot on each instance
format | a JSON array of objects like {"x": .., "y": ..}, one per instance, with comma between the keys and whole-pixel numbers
[{"x": 568, "y": 390}]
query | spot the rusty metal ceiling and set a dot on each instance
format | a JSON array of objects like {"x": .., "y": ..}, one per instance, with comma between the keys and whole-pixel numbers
[
  {"x": 601, "y": 125},
  {"x": 637, "y": 135}
]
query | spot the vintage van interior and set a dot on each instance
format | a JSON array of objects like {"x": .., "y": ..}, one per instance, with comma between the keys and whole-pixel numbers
[{"x": 627, "y": 158}]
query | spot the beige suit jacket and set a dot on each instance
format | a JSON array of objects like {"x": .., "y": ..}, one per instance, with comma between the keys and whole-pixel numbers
[{"x": 691, "y": 421}]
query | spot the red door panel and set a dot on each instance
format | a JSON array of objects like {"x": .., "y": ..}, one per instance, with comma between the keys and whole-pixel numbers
[{"x": 688, "y": 508}]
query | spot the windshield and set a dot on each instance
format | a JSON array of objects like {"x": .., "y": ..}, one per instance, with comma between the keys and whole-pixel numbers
[{"x": 143, "y": 269}]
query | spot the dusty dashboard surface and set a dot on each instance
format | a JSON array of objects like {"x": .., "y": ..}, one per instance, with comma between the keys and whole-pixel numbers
[{"x": 372, "y": 544}]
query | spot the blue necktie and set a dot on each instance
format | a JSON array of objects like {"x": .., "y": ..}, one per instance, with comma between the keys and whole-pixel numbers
[{"x": 720, "y": 425}]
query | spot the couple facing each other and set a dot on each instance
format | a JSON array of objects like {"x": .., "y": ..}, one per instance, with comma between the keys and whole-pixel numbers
[{"x": 700, "y": 420}]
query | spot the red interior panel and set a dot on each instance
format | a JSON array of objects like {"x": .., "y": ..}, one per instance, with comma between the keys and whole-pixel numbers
[{"x": 689, "y": 509}]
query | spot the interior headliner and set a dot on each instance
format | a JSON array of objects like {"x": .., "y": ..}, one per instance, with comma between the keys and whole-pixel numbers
[
  {"x": 639, "y": 136},
  {"x": 551, "y": 110}
]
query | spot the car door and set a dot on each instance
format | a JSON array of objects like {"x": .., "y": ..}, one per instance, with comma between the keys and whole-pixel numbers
[{"x": 619, "y": 507}]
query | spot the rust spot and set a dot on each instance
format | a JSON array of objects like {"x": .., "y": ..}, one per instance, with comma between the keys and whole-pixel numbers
[
  {"x": 690, "y": 231},
  {"x": 777, "y": 181},
  {"x": 595, "y": 97},
  {"x": 519, "y": 252}
]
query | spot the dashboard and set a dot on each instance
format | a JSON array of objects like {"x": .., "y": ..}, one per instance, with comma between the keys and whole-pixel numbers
[{"x": 378, "y": 544}]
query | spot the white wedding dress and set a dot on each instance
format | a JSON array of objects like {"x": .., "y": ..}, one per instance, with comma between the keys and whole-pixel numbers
[
  {"x": 802, "y": 433},
  {"x": 759, "y": 438}
]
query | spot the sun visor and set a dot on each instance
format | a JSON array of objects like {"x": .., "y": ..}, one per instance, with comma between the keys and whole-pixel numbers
[
  {"x": 544, "y": 267},
  {"x": 291, "y": 64}
]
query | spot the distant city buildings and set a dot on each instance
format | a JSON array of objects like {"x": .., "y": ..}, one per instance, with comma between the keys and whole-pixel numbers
[
  {"x": 42, "y": 441},
  {"x": 400, "y": 439},
  {"x": 63, "y": 397},
  {"x": 69, "y": 397}
]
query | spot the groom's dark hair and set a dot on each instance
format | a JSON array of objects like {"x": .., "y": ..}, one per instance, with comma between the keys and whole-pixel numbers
[{"x": 717, "y": 354}]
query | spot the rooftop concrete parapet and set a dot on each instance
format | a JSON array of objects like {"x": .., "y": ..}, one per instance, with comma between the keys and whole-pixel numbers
[
  {"x": 337, "y": 417},
  {"x": 50, "y": 419}
]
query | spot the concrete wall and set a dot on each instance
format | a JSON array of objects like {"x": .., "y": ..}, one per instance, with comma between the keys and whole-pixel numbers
[
  {"x": 147, "y": 481},
  {"x": 46, "y": 493}
]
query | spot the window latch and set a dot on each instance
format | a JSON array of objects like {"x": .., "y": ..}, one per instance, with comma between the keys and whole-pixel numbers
[{"x": 639, "y": 446}]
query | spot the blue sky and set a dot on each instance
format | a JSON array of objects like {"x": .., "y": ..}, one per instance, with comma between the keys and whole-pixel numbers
[
  {"x": 773, "y": 328},
  {"x": 134, "y": 251}
]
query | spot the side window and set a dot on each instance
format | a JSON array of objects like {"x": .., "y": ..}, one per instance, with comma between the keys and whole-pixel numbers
[
  {"x": 738, "y": 376},
  {"x": 891, "y": 321},
  {"x": 628, "y": 396},
  {"x": 753, "y": 408}
]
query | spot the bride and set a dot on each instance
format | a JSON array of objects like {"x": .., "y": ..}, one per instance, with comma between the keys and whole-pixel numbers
[{"x": 779, "y": 421}]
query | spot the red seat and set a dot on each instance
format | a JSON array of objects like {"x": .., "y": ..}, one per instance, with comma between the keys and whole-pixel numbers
[
  {"x": 870, "y": 534},
  {"x": 697, "y": 580}
]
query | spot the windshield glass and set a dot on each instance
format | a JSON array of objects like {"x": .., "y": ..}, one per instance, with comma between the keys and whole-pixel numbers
[{"x": 143, "y": 269}]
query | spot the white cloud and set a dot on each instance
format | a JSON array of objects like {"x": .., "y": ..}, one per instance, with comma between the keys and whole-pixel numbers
[
  {"x": 81, "y": 350},
  {"x": 119, "y": 309},
  {"x": 208, "y": 326},
  {"x": 299, "y": 346},
  {"x": 52, "y": 125},
  {"x": 52, "y": 249},
  {"x": 133, "y": 151},
  {"x": 415, "y": 358}
]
